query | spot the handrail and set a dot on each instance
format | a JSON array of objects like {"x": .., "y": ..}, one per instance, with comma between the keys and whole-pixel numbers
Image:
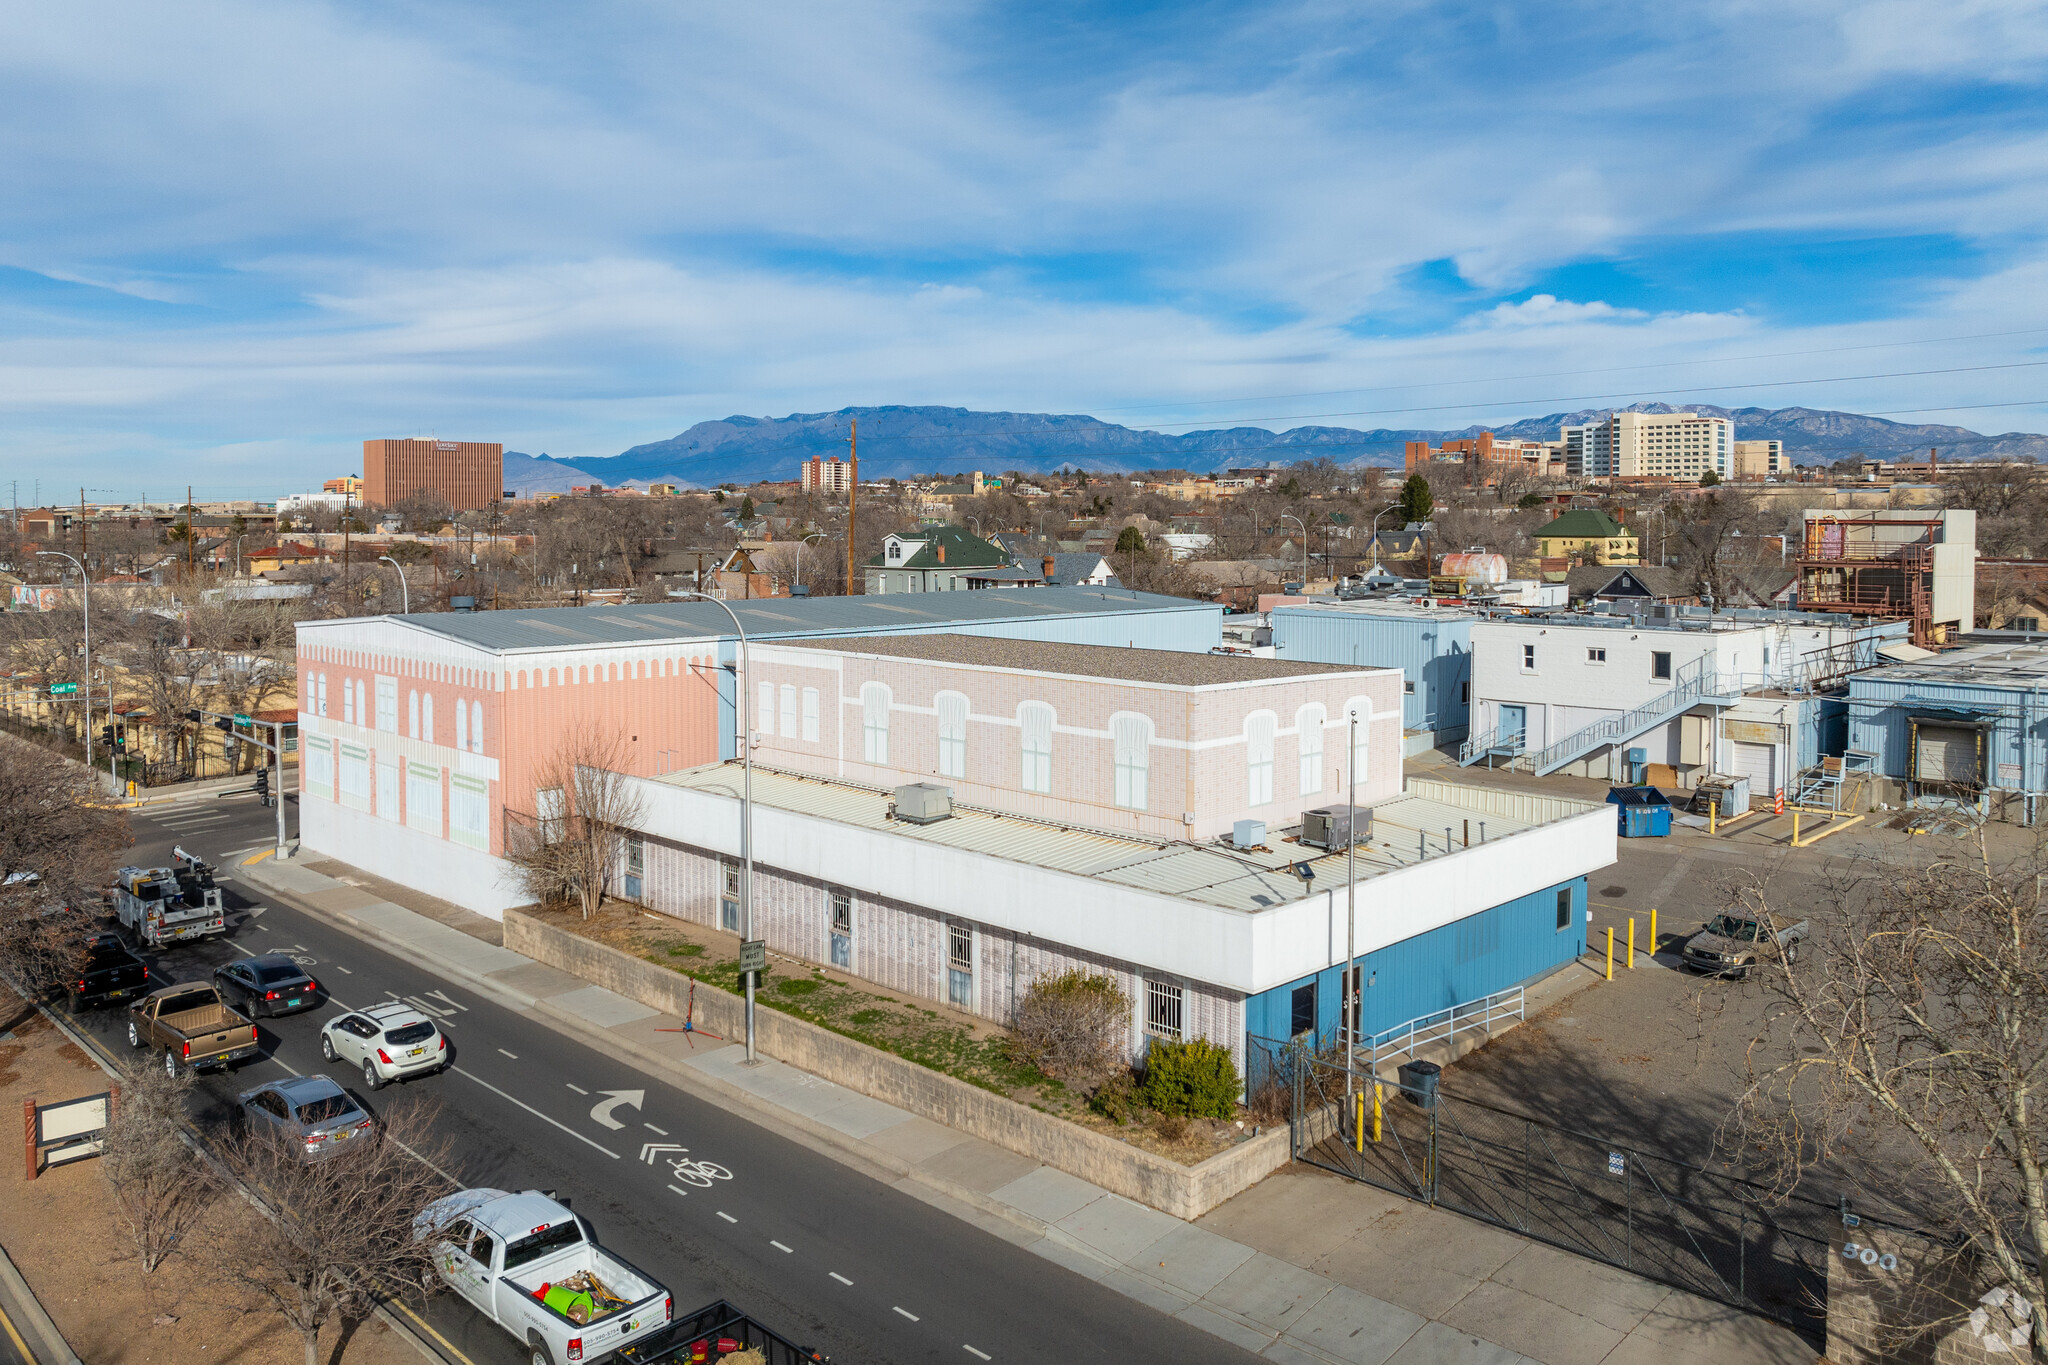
[
  {"x": 1498, "y": 739},
  {"x": 1442, "y": 1024},
  {"x": 1692, "y": 682}
]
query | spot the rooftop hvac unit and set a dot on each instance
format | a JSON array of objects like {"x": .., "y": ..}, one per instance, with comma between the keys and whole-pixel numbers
[
  {"x": 1335, "y": 827},
  {"x": 1248, "y": 833},
  {"x": 924, "y": 803}
]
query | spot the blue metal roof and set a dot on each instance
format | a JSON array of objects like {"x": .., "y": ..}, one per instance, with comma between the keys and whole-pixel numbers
[{"x": 786, "y": 617}]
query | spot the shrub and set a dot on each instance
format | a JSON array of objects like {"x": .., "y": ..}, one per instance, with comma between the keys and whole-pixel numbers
[
  {"x": 1116, "y": 1098},
  {"x": 1072, "y": 1026},
  {"x": 1196, "y": 1078},
  {"x": 1170, "y": 1127}
]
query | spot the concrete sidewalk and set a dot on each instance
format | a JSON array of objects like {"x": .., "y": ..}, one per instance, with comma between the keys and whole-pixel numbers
[{"x": 1303, "y": 1267}]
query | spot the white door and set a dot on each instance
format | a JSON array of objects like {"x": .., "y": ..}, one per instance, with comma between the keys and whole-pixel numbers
[
  {"x": 1945, "y": 754},
  {"x": 1758, "y": 763}
]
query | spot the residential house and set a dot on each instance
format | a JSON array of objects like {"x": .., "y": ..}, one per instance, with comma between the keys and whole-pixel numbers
[
  {"x": 937, "y": 559},
  {"x": 1589, "y": 534}
]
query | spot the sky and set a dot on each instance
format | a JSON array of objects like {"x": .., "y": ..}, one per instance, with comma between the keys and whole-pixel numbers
[{"x": 239, "y": 238}]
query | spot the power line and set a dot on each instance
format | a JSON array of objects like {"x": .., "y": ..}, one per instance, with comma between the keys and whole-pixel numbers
[{"x": 1566, "y": 374}]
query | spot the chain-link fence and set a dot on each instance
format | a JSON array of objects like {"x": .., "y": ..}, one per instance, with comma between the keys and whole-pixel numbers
[{"x": 1710, "y": 1233}]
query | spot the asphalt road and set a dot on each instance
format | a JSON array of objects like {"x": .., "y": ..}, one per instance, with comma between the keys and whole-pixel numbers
[{"x": 817, "y": 1251}]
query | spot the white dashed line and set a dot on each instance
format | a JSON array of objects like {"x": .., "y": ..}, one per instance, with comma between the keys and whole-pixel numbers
[
  {"x": 535, "y": 1112},
  {"x": 652, "y": 1129},
  {"x": 787, "y": 1251},
  {"x": 908, "y": 1314},
  {"x": 684, "y": 1193},
  {"x": 513, "y": 1055},
  {"x": 577, "y": 1088},
  {"x": 841, "y": 1278},
  {"x": 262, "y": 929},
  {"x": 343, "y": 970},
  {"x": 979, "y": 1355},
  {"x": 727, "y": 1217}
]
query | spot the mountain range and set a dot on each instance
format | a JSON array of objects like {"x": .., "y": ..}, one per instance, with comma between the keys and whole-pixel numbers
[{"x": 900, "y": 442}]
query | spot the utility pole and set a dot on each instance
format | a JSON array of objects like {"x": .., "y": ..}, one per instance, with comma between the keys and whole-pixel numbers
[
  {"x": 852, "y": 491},
  {"x": 1353, "y": 1007},
  {"x": 191, "y": 532},
  {"x": 83, "y": 530}
]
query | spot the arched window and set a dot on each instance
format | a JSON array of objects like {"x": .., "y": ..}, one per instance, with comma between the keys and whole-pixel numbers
[
  {"x": 1259, "y": 729},
  {"x": 412, "y": 714},
  {"x": 320, "y": 703},
  {"x": 952, "y": 709},
  {"x": 1132, "y": 738},
  {"x": 1036, "y": 720},
  {"x": 427, "y": 717},
  {"x": 348, "y": 701},
  {"x": 1308, "y": 728},
  {"x": 476, "y": 727},
  {"x": 1360, "y": 707},
  {"x": 461, "y": 726},
  {"x": 874, "y": 722}
]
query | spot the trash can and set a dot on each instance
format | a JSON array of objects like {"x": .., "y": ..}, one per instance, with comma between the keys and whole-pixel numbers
[
  {"x": 1641, "y": 812},
  {"x": 1419, "y": 1081}
]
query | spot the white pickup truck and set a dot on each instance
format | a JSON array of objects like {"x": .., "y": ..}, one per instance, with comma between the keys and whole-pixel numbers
[
  {"x": 165, "y": 905},
  {"x": 530, "y": 1265}
]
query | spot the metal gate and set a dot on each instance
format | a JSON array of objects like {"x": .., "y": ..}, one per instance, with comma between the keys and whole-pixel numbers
[{"x": 1702, "y": 1231}]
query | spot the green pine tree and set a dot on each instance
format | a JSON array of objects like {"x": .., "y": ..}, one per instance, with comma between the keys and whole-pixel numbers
[{"x": 1416, "y": 501}]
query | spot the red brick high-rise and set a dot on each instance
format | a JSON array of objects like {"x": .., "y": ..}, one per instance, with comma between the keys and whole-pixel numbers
[{"x": 464, "y": 474}]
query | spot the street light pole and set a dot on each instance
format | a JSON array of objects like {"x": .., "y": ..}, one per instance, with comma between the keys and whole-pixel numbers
[
  {"x": 744, "y": 687},
  {"x": 404, "y": 591},
  {"x": 85, "y": 597},
  {"x": 1289, "y": 516},
  {"x": 1353, "y": 1007},
  {"x": 815, "y": 535}
]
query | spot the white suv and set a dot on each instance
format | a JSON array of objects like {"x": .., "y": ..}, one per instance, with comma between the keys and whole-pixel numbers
[{"x": 390, "y": 1042}]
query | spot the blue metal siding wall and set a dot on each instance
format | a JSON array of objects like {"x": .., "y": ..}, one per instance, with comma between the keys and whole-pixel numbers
[
  {"x": 1435, "y": 655},
  {"x": 1490, "y": 951},
  {"x": 1879, "y": 710}
]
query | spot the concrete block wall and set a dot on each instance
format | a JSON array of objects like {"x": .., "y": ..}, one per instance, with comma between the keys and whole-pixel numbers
[
  {"x": 1182, "y": 1191},
  {"x": 1898, "y": 1299},
  {"x": 904, "y": 947}
]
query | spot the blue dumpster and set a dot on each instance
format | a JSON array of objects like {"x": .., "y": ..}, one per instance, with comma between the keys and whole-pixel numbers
[{"x": 1641, "y": 812}]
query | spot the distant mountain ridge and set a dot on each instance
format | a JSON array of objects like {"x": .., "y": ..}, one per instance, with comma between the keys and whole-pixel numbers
[{"x": 900, "y": 442}]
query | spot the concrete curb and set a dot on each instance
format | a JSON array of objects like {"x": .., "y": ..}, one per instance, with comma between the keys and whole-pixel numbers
[
  {"x": 818, "y": 1137},
  {"x": 26, "y": 1312}
]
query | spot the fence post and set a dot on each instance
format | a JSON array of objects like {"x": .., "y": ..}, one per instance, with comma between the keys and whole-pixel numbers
[
  {"x": 1429, "y": 1164},
  {"x": 28, "y": 1111},
  {"x": 1377, "y": 1101},
  {"x": 1628, "y": 1192},
  {"x": 1294, "y": 1118},
  {"x": 1358, "y": 1122}
]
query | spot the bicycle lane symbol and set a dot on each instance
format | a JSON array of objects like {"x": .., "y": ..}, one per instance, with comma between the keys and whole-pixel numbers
[{"x": 686, "y": 1169}]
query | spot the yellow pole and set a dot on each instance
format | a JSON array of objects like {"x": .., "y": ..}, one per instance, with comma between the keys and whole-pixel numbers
[
  {"x": 1631, "y": 942},
  {"x": 1376, "y": 1111},
  {"x": 1713, "y": 814},
  {"x": 1610, "y": 952},
  {"x": 1795, "y": 826},
  {"x": 1358, "y": 1127},
  {"x": 1653, "y": 931}
]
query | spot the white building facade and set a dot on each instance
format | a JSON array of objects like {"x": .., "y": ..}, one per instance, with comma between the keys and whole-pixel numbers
[{"x": 1631, "y": 445}]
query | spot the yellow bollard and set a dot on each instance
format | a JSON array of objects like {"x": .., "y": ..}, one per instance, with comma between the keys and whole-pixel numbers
[
  {"x": 1358, "y": 1126},
  {"x": 1610, "y": 952},
  {"x": 1631, "y": 942},
  {"x": 1653, "y": 931},
  {"x": 1376, "y": 1102},
  {"x": 1795, "y": 827},
  {"x": 1713, "y": 815}
]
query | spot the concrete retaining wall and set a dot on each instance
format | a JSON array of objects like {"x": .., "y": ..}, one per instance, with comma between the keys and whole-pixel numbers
[{"x": 1183, "y": 1191}]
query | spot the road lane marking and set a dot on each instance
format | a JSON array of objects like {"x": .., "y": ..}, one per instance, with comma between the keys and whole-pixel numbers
[
  {"x": 908, "y": 1314},
  {"x": 651, "y": 1128},
  {"x": 601, "y": 1112},
  {"x": 684, "y": 1193},
  {"x": 979, "y": 1355},
  {"x": 20, "y": 1346},
  {"x": 339, "y": 968},
  {"x": 727, "y": 1217},
  {"x": 393, "y": 1302},
  {"x": 262, "y": 928},
  {"x": 577, "y": 1088},
  {"x": 513, "y": 1055},
  {"x": 535, "y": 1112},
  {"x": 258, "y": 858},
  {"x": 841, "y": 1278},
  {"x": 787, "y": 1251}
]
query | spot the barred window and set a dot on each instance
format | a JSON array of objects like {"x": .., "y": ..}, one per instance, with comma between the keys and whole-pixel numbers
[
  {"x": 960, "y": 945},
  {"x": 732, "y": 879},
  {"x": 1163, "y": 1010},
  {"x": 842, "y": 912}
]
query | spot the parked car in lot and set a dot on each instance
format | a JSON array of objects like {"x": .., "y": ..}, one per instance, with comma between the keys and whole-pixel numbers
[
  {"x": 390, "y": 1042},
  {"x": 312, "y": 1113},
  {"x": 530, "y": 1265},
  {"x": 103, "y": 972},
  {"x": 193, "y": 1026},
  {"x": 1735, "y": 945},
  {"x": 267, "y": 986}
]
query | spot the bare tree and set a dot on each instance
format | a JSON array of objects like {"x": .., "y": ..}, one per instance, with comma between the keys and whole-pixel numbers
[
  {"x": 1912, "y": 1047},
  {"x": 1074, "y": 1026},
  {"x": 589, "y": 808},
  {"x": 60, "y": 841},
  {"x": 160, "y": 1190},
  {"x": 326, "y": 1238}
]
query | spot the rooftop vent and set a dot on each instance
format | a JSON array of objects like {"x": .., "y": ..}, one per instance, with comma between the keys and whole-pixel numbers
[
  {"x": 924, "y": 803},
  {"x": 1334, "y": 827},
  {"x": 1248, "y": 834}
]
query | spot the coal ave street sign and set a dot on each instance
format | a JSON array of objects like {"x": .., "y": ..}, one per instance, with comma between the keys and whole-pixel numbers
[{"x": 63, "y": 689}]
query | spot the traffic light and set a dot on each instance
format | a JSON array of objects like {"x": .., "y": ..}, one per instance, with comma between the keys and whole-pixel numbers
[
  {"x": 193, "y": 716},
  {"x": 221, "y": 723},
  {"x": 121, "y": 738},
  {"x": 107, "y": 735},
  {"x": 263, "y": 785}
]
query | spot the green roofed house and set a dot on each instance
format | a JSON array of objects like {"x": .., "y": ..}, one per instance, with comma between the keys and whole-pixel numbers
[
  {"x": 1590, "y": 534},
  {"x": 936, "y": 559}
]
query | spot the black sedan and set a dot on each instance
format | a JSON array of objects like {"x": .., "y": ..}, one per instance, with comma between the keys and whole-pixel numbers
[{"x": 269, "y": 985}]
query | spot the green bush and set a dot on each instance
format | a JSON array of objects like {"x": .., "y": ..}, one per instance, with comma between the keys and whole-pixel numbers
[
  {"x": 1116, "y": 1098},
  {"x": 1196, "y": 1079}
]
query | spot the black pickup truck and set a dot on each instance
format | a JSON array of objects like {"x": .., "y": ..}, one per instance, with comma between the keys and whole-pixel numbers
[
  {"x": 104, "y": 972},
  {"x": 713, "y": 1333}
]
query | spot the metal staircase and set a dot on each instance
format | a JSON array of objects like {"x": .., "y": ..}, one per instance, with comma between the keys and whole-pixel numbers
[
  {"x": 1499, "y": 742},
  {"x": 1695, "y": 682}
]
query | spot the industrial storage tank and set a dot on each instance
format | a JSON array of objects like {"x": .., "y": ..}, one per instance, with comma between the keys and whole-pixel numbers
[{"x": 1475, "y": 566}]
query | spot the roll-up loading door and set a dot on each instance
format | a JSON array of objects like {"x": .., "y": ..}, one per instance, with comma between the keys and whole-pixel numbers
[
  {"x": 1946, "y": 753},
  {"x": 1758, "y": 763}
]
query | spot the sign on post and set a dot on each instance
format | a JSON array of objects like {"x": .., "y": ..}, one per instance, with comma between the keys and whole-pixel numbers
[
  {"x": 69, "y": 1130},
  {"x": 241, "y": 719},
  {"x": 1617, "y": 1164},
  {"x": 63, "y": 689},
  {"x": 754, "y": 955}
]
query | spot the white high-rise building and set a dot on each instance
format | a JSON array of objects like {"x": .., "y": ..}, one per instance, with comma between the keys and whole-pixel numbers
[{"x": 1636, "y": 445}]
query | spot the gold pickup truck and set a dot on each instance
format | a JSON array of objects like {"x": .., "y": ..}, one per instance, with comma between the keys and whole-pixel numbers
[{"x": 192, "y": 1025}]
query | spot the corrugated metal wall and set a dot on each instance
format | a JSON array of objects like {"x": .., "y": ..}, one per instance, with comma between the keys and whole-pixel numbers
[
  {"x": 1879, "y": 709},
  {"x": 1433, "y": 654},
  {"x": 1464, "y": 960}
]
